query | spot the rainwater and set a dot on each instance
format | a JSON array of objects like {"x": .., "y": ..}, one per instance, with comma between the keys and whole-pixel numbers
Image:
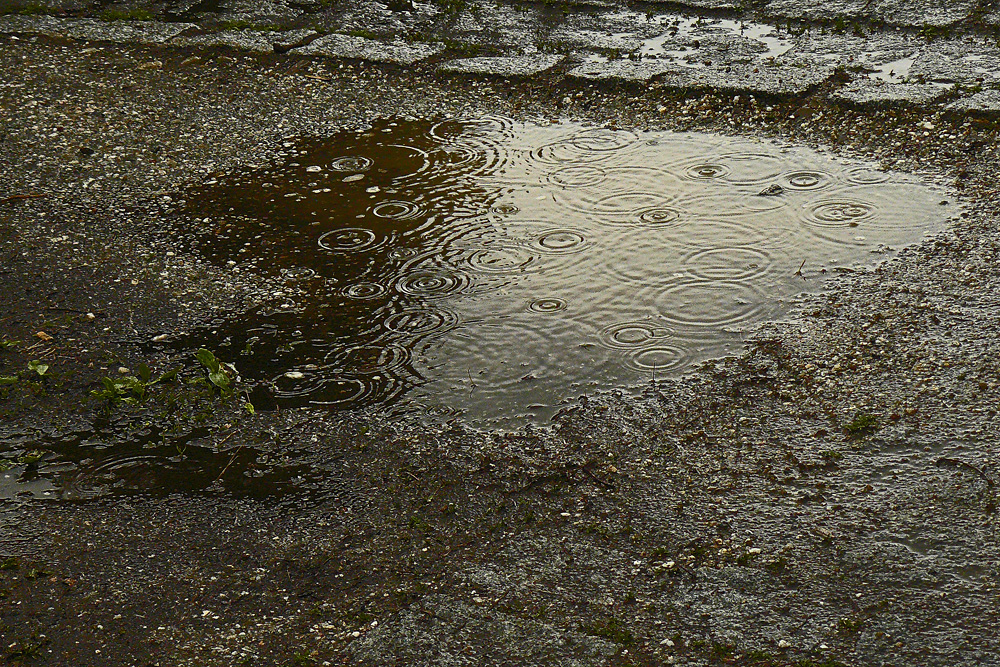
[{"x": 494, "y": 269}]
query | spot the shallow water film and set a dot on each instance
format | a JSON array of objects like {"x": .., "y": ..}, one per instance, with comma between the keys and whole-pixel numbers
[{"x": 493, "y": 268}]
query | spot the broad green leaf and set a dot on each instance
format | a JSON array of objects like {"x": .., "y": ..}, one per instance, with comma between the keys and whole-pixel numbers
[
  {"x": 208, "y": 360},
  {"x": 220, "y": 379}
]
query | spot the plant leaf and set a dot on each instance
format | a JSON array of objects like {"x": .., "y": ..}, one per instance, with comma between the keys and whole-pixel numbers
[
  {"x": 208, "y": 360},
  {"x": 169, "y": 375},
  {"x": 220, "y": 379},
  {"x": 38, "y": 367}
]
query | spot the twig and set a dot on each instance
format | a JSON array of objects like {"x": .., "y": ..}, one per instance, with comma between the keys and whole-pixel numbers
[
  {"x": 946, "y": 461},
  {"x": 24, "y": 196},
  {"x": 799, "y": 272},
  {"x": 235, "y": 454},
  {"x": 233, "y": 458},
  {"x": 601, "y": 482},
  {"x": 318, "y": 78}
]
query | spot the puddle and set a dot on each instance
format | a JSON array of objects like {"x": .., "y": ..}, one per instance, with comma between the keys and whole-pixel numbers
[
  {"x": 493, "y": 269},
  {"x": 87, "y": 465},
  {"x": 896, "y": 71}
]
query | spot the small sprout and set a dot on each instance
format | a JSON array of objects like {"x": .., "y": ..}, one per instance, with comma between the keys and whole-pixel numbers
[
  {"x": 9, "y": 563},
  {"x": 6, "y": 343},
  {"x": 7, "y": 379},
  {"x": 831, "y": 455},
  {"x": 38, "y": 367},
  {"x": 218, "y": 373}
]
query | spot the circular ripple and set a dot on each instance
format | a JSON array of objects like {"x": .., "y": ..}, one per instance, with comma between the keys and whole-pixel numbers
[
  {"x": 459, "y": 128},
  {"x": 710, "y": 304},
  {"x": 502, "y": 259},
  {"x": 807, "y": 180},
  {"x": 369, "y": 359},
  {"x": 341, "y": 391},
  {"x": 419, "y": 159},
  {"x": 298, "y": 383},
  {"x": 839, "y": 213},
  {"x": 505, "y": 209},
  {"x": 351, "y": 163},
  {"x": 603, "y": 139},
  {"x": 432, "y": 284},
  {"x": 547, "y": 305},
  {"x": 728, "y": 263},
  {"x": 659, "y": 215},
  {"x": 638, "y": 207},
  {"x": 350, "y": 239},
  {"x": 577, "y": 176},
  {"x": 397, "y": 254},
  {"x": 659, "y": 357},
  {"x": 560, "y": 241},
  {"x": 629, "y": 335},
  {"x": 363, "y": 291},
  {"x": 866, "y": 176},
  {"x": 706, "y": 172},
  {"x": 298, "y": 273},
  {"x": 397, "y": 210},
  {"x": 420, "y": 322},
  {"x": 117, "y": 473}
]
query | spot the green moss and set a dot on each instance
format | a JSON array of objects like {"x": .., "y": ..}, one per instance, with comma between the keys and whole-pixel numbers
[
  {"x": 34, "y": 9},
  {"x": 863, "y": 423},
  {"x": 610, "y": 628},
  {"x": 126, "y": 14}
]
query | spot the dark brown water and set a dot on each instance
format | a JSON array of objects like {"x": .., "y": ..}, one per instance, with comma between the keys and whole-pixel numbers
[{"x": 493, "y": 269}]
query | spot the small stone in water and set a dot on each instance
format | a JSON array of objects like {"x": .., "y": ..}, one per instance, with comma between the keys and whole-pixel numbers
[
  {"x": 354, "y": 177},
  {"x": 771, "y": 191}
]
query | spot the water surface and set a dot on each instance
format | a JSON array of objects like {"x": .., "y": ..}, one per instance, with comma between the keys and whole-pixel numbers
[{"x": 494, "y": 268}]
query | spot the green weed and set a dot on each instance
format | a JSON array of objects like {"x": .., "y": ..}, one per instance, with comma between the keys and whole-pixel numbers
[{"x": 130, "y": 389}]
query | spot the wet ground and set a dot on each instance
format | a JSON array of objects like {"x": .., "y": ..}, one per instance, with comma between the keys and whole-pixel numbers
[{"x": 825, "y": 497}]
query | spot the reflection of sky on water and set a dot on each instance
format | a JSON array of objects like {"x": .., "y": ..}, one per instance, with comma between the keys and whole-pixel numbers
[{"x": 489, "y": 266}]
